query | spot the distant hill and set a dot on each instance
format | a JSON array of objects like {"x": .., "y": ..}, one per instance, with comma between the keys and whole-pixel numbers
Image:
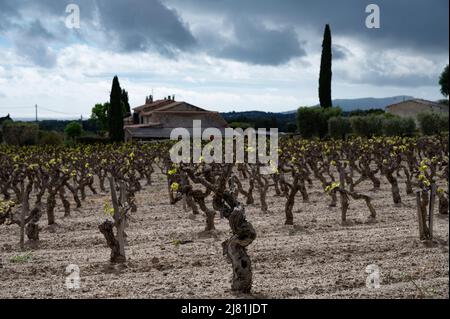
[
  {"x": 348, "y": 105},
  {"x": 286, "y": 121}
]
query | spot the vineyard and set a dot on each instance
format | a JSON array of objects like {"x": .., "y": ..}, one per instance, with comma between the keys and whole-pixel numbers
[{"x": 138, "y": 225}]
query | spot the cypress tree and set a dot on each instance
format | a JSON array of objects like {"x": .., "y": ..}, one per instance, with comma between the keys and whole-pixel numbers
[
  {"x": 115, "y": 113},
  {"x": 325, "y": 70},
  {"x": 126, "y": 103}
]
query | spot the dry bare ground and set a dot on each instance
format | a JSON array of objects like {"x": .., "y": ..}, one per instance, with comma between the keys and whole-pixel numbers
[{"x": 318, "y": 258}]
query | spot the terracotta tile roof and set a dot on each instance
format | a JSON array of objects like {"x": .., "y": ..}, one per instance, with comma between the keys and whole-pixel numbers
[{"x": 153, "y": 105}]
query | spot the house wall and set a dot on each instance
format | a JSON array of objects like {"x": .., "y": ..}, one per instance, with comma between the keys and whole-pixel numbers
[
  {"x": 411, "y": 109},
  {"x": 178, "y": 114}
]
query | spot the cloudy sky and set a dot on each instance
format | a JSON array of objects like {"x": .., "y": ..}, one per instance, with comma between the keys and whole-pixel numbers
[{"x": 220, "y": 54}]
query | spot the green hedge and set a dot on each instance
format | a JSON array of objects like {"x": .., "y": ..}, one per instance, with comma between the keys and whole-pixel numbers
[
  {"x": 20, "y": 133},
  {"x": 339, "y": 127},
  {"x": 432, "y": 123},
  {"x": 50, "y": 138},
  {"x": 367, "y": 126},
  {"x": 313, "y": 121},
  {"x": 397, "y": 126}
]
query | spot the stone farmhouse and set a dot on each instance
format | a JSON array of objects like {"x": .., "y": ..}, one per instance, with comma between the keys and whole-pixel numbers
[
  {"x": 155, "y": 120},
  {"x": 411, "y": 108}
]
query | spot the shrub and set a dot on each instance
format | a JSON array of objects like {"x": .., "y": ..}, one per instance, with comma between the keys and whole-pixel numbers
[
  {"x": 20, "y": 133},
  {"x": 367, "y": 126},
  {"x": 50, "y": 138},
  {"x": 73, "y": 130},
  {"x": 291, "y": 127},
  {"x": 306, "y": 117},
  {"x": 313, "y": 121},
  {"x": 339, "y": 127},
  {"x": 396, "y": 126},
  {"x": 360, "y": 112},
  {"x": 432, "y": 123}
]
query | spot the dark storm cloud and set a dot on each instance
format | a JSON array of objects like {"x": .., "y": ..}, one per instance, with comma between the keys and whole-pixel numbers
[
  {"x": 142, "y": 25},
  {"x": 37, "y": 52},
  {"x": 127, "y": 26},
  {"x": 416, "y": 24},
  {"x": 32, "y": 43},
  {"x": 31, "y": 39},
  {"x": 8, "y": 13},
  {"x": 254, "y": 43},
  {"x": 340, "y": 52},
  {"x": 265, "y": 32}
]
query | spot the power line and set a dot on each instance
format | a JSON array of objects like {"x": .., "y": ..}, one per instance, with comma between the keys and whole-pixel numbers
[
  {"x": 59, "y": 112},
  {"x": 37, "y": 106}
]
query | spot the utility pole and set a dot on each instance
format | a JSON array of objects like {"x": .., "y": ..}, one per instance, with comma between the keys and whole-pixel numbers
[
  {"x": 81, "y": 121},
  {"x": 35, "y": 106}
]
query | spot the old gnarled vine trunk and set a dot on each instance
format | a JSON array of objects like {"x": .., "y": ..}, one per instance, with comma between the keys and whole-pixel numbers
[
  {"x": 116, "y": 241},
  {"x": 235, "y": 250}
]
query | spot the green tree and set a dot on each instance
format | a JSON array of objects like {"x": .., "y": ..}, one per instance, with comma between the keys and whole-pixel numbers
[
  {"x": 291, "y": 127},
  {"x": 397, "y": 126},
  {"x": 50, "y": 138},
  {"x": 115, "y": 115},
  {"x": 431, "y": 123},
  {"x": 73, "y": 130},
  {"x": 20, "y": 133},
  {"x": 125, "y": 103},
  {"x": 325, "y": 70},
  {"x": 99, "y": 115},
  {"x": 367, "y": 126},
  {"x": 339, "y": 127},
  {"x": 443, "y": 82},
  {"x": 313, "y": 121}
]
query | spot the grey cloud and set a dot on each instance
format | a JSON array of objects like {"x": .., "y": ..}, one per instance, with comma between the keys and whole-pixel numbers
[
  {"x": 383, "y": 79},
  {"x": 37, "y": 31},
  {"x": 417, "y": 24},
  {"x": 254, "y": 43},
  {"x": 340, "y": 52},
  {"x": 31, "y": 39},
  {"x": 156, "y": 25},
  {"x": 8, "y": 12},
  {"x": 32, "y": 43},
  {"x": 38, "y": 52},
  {"x": 142, "y": 25},
  {"x": 416, "y": 80},
  {"x": 127, "y": 26}
]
